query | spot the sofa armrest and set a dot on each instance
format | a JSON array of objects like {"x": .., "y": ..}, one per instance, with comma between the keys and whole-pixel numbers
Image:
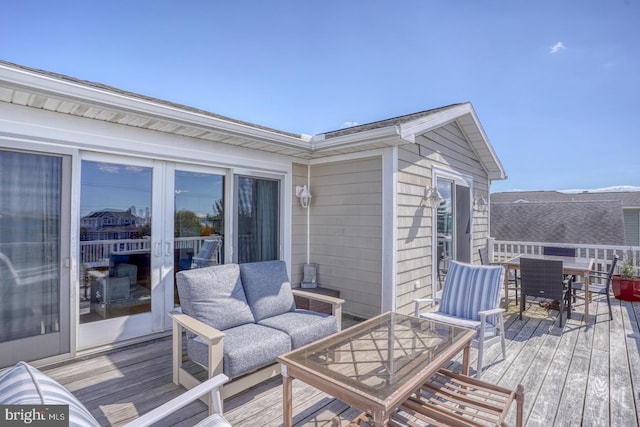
[
  {"x": 213, "y": 337},
  {"x": 336, "y": 303},
  {"x": 212, "y": 386}
]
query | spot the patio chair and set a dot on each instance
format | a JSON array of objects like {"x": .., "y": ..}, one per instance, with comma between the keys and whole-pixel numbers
[
  {"x": 512, "y": 278},
  {"x": 559, "y": 251},
  {"x": 208, "y": 254},
  {"x": 598, "y": 288},
  {"x": 544, "y": 278},
  {"x": 24, "y": 384},
  {"x": 471, "y": 298}
]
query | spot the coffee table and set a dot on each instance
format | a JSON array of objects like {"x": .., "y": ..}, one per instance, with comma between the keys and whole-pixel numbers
[{"x": 375, "y": 365}]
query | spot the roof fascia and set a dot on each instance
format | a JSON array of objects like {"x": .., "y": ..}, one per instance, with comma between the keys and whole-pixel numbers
[
  {"x": 76, "y": 92},
  {"x": 387, "y": 135},
  {"x": 500, "y": 174}
]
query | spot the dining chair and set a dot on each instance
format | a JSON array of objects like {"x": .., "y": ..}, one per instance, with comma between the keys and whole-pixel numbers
[
  {"x": 559, "y": 251},
  {"x": 598, "y": 288},
  {"x": 471, "y": 299},
  {"x": 512, "y": 278},
  {"x": 542, "y": 278}
]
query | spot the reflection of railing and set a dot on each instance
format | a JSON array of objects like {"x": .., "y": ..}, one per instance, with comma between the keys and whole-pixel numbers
[{"x": 96, "y": 253}]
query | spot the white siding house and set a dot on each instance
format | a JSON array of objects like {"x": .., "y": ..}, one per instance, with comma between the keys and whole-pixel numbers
[{"x": 71, "y": 148}]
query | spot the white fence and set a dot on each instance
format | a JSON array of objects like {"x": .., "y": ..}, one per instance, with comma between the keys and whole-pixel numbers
[{"x": 501, "y": 250}]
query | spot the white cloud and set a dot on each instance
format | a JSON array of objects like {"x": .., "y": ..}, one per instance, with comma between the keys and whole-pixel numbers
[
  {"x": 557, "y": 47},
  {"x": 349, "y": 124}
]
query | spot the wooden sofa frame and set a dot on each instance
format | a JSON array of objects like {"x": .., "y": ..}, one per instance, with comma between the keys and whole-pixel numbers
[{"x": 215, "y": 343}]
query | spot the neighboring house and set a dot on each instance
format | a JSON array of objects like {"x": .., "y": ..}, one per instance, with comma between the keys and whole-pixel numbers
[
  {"x": 603, "y": 218},
  {"x": 69, "y": 146}
]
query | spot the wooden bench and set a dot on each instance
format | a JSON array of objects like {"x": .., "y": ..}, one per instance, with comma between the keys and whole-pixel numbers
[{"x": 449, "y": 399}]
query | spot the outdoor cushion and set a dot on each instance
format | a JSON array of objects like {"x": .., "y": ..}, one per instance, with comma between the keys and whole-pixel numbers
[
  {"x": 489, "y": 329},
  {"x": 469, "y": 289},
  {"x": 246, "y": 348},
  {"x": 23, "y": 385},
  {"x": 303, "y": 326},
  {"x": 267, "y": 287},
  {"x": 214, "y": 295}
]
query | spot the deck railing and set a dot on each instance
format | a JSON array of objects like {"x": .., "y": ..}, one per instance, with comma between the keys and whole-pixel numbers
[{"x": 501, "y": 250}]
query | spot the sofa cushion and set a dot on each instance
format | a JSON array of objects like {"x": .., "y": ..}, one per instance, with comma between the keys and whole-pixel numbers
[
  {"x": 246, "y": 348},
  {"x": 214, "y": 295},
  {"x": 23, "y": 385},
  {"x": 267, "y": 287},
  {"x": 303, "y": 326}
]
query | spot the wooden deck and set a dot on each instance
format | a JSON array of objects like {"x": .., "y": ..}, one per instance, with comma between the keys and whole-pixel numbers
[{"x": 580, "y": 375}]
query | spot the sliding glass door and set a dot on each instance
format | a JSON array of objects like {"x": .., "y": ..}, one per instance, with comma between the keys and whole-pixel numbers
[
  {"x": 34, "y": 255},
  {"x": 257, "y": 216},
  {"x": 453, "y": 225}
]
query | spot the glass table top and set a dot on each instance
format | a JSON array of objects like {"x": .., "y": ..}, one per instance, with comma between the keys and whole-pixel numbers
[{"x": 378, "y": 356}]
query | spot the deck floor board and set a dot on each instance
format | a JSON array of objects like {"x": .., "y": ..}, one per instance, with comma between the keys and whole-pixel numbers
[{"x": 578, "y": 375}]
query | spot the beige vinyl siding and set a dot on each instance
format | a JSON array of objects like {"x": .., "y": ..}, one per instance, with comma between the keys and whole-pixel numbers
[
  {"x": 346, "y": 231},
  {"x": 446, "y": 148},
  {"x": 298, "y": 226}
]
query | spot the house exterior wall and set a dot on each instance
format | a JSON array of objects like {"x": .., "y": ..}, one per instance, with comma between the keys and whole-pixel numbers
[
  {"x": 346, "y": 230},
  {"x": 445, "y": 148},
  {"x": 299, "y": 223}
]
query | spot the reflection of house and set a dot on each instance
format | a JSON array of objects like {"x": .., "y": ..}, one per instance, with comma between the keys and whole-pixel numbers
[
  {"x": 605, "y": 218},
  {"x": 369, "y": 228},
  {"x": 111, "y": 224}
]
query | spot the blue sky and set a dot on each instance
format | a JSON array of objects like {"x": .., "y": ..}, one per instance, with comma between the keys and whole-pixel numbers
[{"x": 555, "y": 84}]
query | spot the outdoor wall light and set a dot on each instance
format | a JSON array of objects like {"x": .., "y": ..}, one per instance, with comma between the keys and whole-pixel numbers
[
  {"x": 303, "y": 194},
  {"x": 480, "y": 204},
  {"x": 433, "y": 197}
]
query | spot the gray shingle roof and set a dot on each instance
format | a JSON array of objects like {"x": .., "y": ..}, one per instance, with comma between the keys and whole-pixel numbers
[
  {"x": 628, "y": 198},
  {"x": 582, "y": 222}
]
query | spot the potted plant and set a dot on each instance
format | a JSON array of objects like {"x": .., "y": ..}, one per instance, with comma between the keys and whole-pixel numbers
[{"x": 626, "y": 284}]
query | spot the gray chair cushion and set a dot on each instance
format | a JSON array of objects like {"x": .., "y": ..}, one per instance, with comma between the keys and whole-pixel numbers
[
  {"x": 267, "y": 287},
  {"x": 246, "y": 348},
  {"x": 214, "y": 295},
  {"x": 303, "y": 326}
]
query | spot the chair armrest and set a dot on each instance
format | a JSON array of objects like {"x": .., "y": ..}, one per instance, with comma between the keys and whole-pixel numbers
[
  {"x": 336, "y": 303},
  {"x": 193, "y": 325},
  {"x": 418, "y": 301},
  {"x": 212, "y": 385},
  {"x": 490, "y": 312}
]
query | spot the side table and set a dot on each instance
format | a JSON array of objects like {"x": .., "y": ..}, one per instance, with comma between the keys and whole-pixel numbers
[{"x": 318, "y": 306}]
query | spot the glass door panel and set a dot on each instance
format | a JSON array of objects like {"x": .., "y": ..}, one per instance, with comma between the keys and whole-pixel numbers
[
  {"x": 115, "y": 240},
  {"x": 34, "y": 285},
  {"x": 445, "y": 228},
  {"x": 198, "y": 221},
  {"x": 257, "y": 226}
]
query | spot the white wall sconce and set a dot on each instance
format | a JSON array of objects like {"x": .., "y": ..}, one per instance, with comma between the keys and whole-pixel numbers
[
  {"x": 433, "y": 197},
  {"x": 303, "y": 194},
  {"x": 480, "y": 204}
]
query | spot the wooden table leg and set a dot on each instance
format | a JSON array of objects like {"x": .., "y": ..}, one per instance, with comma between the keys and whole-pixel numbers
[
  {"x": 287, "y": 404},
  {"x": 466, "y": 353}
]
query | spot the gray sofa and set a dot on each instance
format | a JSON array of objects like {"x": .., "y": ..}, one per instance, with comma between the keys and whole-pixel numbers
[{"x": 238, "y": 318}]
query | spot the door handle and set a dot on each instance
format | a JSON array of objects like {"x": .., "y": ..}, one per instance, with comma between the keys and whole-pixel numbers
[
  {"x": 158, "y": 250},
  {"x": 168, "y": 247}
]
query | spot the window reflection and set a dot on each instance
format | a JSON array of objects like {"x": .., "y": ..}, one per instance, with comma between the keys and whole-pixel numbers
[
  {"x": 115, "y": 240},
  {"x": 198, "y": 221}
]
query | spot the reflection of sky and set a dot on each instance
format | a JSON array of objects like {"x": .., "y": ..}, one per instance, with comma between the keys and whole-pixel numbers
[
  {"x": 113, "y": 186},
  {"x": 198, "y": 192}
]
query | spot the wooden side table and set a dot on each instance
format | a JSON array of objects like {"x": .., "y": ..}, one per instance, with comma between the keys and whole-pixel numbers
[{"x": 319, "y": 306}]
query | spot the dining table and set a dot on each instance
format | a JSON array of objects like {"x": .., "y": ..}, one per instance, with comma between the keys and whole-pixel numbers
[{"x": 570, "y": 266}]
